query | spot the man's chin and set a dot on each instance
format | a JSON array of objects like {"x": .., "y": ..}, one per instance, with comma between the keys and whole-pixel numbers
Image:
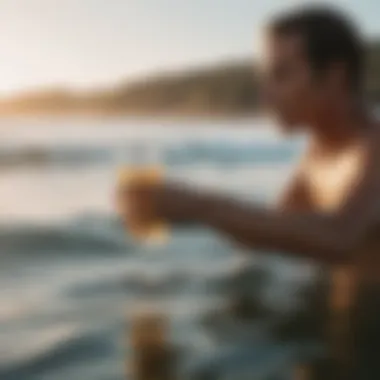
[
  {"x": 288, "y": 127},
  {"x": 289, "y": 130},
  {"x": 285, "y": 125}
]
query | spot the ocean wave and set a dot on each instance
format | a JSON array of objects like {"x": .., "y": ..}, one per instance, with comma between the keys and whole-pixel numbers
[
  {"x": 84, "y": 348},
  {"x": 189, "y": 153},
  {"x": 70, "y": 238},
  {"x": 32, "y": 156},
  {"x": 129, "y": 283}
]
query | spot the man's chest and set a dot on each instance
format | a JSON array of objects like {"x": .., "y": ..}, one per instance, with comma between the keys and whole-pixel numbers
[{"x": 330, "y": 180}]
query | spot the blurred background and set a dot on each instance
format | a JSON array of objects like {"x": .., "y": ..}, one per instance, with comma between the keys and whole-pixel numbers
[{"x": 82, "y": 83}]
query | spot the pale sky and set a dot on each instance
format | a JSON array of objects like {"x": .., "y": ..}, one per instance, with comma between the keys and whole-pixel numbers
[{"x": 88, "y": 43}]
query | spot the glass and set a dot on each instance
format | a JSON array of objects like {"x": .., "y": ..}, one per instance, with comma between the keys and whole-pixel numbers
[{"x": 143, "y": 166}]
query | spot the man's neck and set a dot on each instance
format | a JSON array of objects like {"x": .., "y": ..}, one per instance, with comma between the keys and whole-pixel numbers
[{"x": 341, "y": 125}]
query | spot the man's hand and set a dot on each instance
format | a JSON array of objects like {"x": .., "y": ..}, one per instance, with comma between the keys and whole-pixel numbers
[
  {"x": 137, "y": 205},
  {"x": 141, "y": 205}
]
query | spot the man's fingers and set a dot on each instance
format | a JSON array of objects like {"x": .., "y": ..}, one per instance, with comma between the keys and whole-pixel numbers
[{"x": 136, "y": 204}]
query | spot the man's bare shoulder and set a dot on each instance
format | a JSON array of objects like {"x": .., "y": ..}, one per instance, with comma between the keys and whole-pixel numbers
[{"x": 296, "y": 195}]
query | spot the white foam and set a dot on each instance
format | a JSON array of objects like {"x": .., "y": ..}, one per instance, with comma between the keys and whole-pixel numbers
[{"x": 23, "y": 345}]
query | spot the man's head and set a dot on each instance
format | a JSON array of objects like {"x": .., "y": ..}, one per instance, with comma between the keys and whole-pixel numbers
[{"x": 313, "y": 60}]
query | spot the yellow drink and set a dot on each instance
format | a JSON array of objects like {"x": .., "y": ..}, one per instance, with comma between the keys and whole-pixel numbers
[{"x": 155, "y": 231}]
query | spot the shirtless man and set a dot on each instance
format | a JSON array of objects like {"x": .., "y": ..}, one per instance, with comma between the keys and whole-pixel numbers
[{"x": 313, "y": 79}]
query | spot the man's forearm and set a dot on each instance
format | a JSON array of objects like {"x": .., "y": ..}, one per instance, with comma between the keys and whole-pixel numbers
[{"x": 306, "y": 235}]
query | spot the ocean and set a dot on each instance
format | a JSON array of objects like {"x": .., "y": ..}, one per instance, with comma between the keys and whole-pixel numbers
[{"x": 70, "y": 275}]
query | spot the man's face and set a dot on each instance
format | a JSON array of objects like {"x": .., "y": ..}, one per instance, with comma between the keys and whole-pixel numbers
[{"x": 289, "y": 87}]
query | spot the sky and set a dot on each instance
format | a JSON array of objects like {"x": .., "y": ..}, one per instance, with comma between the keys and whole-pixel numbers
[{"x": 84, "y": 44}]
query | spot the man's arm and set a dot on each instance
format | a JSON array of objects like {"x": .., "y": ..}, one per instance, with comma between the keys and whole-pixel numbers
[
  {"x": 296, "y": 197},
  {"x": 329, "y": 238}
]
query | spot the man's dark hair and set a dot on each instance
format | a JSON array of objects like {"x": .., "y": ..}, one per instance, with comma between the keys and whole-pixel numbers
[{"x": 329, "y": 37}]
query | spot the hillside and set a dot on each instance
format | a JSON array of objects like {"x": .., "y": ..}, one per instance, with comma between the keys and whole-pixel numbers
[{"x": 228, "y": 89}]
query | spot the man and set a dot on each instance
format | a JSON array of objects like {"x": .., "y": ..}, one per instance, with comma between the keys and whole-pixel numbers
[{"x": 313, "y": 78}]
